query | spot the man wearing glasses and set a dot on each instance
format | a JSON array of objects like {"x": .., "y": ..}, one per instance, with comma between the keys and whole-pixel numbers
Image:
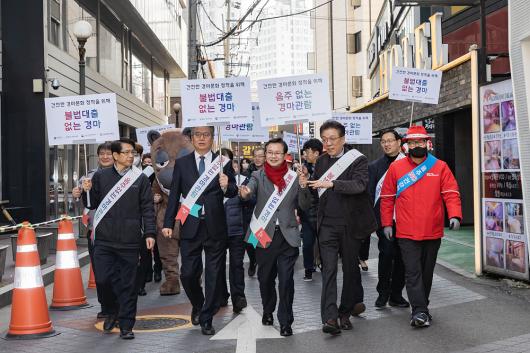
[
  {"x": 202, "y": 183},
  {"x": 345, "y": 218},
  {"x": 125, "y": 216},
  {"x": 391, "y": 272},
  {"x": 417, "y": 187}
]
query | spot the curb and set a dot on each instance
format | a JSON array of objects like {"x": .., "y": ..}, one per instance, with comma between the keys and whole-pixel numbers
[{"x": 47, "y": 277}]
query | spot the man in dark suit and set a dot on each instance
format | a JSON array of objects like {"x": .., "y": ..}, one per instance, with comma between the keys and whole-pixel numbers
[
  {"x": 345, "y": 217},
  {"x": 204, "y": 228}
]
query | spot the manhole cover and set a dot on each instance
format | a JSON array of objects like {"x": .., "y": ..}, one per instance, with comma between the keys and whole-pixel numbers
[{"x": 156, "y": 323}]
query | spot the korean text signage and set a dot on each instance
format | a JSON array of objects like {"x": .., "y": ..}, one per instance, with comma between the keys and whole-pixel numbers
[
  {"x": 358, "y": 127},
  {"x": 141, "y": 134},
  {"x": 90, "y": 118},
  {"x": 414, "y": 85},
  {"x": 247, "y": 131},
  {"x": 216, "y": 101},
  {"x": 285, "y": 100},
  {"x": 504, "y": 234},
  {"x": 290, "y": 140}
]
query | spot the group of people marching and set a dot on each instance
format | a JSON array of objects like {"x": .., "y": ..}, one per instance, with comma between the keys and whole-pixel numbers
[{"x": 337, "y": 196}]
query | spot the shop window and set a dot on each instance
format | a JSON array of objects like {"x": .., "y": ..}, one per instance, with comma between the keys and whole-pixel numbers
[
  {"x": 353, "y": 43},
  {"x": 159, "y": 92},
  {"x": 54, "y": 29},
  {"x": 141, "y": 80},
  {"x": 110, "y": 56}
]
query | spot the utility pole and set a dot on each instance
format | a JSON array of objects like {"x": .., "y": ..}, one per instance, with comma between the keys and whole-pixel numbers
[
  {"x": 226, "y": 42},
  {"x": 192, "y": 42}
]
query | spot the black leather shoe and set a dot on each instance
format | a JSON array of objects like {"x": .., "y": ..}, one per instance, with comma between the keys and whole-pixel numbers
[
  {"x": 195, "y": 316},
  {"x": 381, "y": 301},
  {"x": 400, "y": 303},
  {"x": 267, "y": 319},
  {"x": 207, "y": 329},
  {"x": 286, "y": 330},
  {"x": 102, "y": 315},
  {"x": 126, "y": 334},
  {"x": 158, "y": 276},
  {"x": 239, "y": 304},
  {"x": 149, "y": 277},
  {"x": 345, "y": 323},
  {"x": 110, "y": 323},
  {"x": 142, "y": 292},
  {"x": 251, "y": 269},
  {"x": 331, "y": 327},
  {"x": 358, "y": 309}
]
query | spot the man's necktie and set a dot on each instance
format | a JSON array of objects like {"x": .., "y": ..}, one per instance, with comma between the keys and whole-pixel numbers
[{"x": 202, "y": 165}]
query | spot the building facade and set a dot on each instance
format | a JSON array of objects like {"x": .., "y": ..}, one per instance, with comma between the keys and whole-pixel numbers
[{"x": 136, "y": 47}]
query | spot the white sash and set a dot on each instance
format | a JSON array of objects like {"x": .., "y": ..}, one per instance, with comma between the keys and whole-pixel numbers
[
  {"x": 148, "y": 171},
  {"x": 189, "y": 206},
  {"x": 258, "y": 225},
  {"x": 114, "y": 195},
  {"x": 339, "y": 167},
  {"x": 379, "y": 186}
]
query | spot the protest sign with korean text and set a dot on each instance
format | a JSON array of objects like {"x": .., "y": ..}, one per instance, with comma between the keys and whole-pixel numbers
[
  {"x": 141, "y": 134},
  {"x": 91, "y": 118},
  {"x": 216, "y": 101},
  {"x": 284, "y": 100},
  {"x": 247, "y": 131},
  {"x": 358, "y": 127},
  {"x": 415, "y": 85},
  {"x": 290, "y": 140}
]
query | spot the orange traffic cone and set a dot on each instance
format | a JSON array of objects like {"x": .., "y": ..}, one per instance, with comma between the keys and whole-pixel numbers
[
  {"x": 68, "y": 291},
  {"x": 29, "y": 310},
  {"x": 91, "y": 279}
]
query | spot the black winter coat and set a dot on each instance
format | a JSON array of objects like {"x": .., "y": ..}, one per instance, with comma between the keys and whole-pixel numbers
[
  {"x": 376, "y": 170},
  {"x": 131, "y": 218},
  {"x": 234, "y": 217}
]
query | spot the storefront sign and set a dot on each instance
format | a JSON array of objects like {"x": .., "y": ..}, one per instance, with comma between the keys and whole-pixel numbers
[
  {"x": 414, "y": 85},
  {"x": 245, "y": 149},
  {"x": 141, "y": 134},
  {"x": 247, "y": 132},
  {"x": 216, "y": 101},
  {"x": 504, "y": 234},
  {"x": 286, "y": 100},
  {"x": 290, "y": 140},
  {"x": 358, "y": 127},
  {"x": 91, "y": 118}
]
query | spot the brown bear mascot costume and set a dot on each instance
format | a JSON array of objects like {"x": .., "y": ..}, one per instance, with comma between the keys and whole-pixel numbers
[{"x": 165, "y": 149}]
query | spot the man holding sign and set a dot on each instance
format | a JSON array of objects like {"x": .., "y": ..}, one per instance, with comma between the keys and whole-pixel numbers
[
  {"x": 344, "y": 219},
  {"x": 417, "y": 187},
  {"x": 198, "y": 177},
  {"x": 122, "y": 198},
  {"x": 274, "y": 232}
]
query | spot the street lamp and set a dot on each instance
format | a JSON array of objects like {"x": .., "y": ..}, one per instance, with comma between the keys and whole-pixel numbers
[
  {"x": 82, "y": 31},
  {"x": 176, "y": 109}
]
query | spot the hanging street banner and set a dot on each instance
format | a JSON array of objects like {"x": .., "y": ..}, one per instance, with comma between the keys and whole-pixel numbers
[
  {"x": 216, "y": 101},
  {"x": 415, "y": 85},
  {"x": 91, "y": 118},
  {"x": 247, "y": 132},
  {"x": 141, "y": 134},
  {"x": 358, "y": 127},
  {"x": 286, "y": 100},
  {"x": 290, "y": 140},
  {"x": 504, "y": 233}
]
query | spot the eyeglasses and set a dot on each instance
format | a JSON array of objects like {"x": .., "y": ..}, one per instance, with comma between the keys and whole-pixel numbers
[
  {"x": 202, "y": 134},
  {"x": 129, "y": 152},
  {"x": 387, "y": 142},
  {"x": 275, "y": 154},
  {"x": 330, "y": 139},
  {"x": 414, "y": 143}
]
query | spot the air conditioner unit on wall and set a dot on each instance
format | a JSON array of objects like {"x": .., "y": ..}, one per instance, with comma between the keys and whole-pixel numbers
[
  {"x": 355, "y": 3},
  {"x": 357, "y": 86}
]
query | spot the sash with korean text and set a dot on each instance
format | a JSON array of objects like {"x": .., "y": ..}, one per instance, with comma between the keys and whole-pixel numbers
[
  {"x": 412, "y": 177},
  {"x": 114, "y": 195},
  {"x": 189, "y": 206},
  {"x": 379, "y": 186},
  {"x": 339, "y": 167},
  {"x": 257, "y": 225}
]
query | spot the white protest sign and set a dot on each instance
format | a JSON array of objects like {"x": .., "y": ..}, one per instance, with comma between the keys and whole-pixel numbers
[
  {"x": 415, "y": 85},
  {"x": 290, "y": 140},
  {"x": 90, "y": 118},
  {"x": 216, "y": 101},
  {"x": 141, "y": 134},
  {"x": 253, "y": 132},
  {"x": 358, "y": 127},
  {"x": 285, "y": 100}
]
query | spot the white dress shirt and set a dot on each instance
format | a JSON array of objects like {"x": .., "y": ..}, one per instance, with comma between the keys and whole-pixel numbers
[{"x": 207, "y": 159}]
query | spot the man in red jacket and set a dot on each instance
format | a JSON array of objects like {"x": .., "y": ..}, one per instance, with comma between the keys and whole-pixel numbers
[{"x": 417, "y": 187}]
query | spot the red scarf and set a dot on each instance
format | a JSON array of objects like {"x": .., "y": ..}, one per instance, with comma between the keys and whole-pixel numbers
[{"x": 275, "y": 174}]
